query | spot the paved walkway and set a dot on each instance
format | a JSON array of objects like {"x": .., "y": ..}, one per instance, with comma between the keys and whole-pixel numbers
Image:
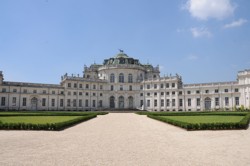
[{"x": 125, "y": 139}]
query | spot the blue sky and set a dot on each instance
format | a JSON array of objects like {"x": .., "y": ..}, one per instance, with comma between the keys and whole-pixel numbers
[{"x": 201, "y": 40}]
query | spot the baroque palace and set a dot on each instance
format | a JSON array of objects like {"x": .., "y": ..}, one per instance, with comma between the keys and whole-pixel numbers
[{"x": 120, "y": 83}]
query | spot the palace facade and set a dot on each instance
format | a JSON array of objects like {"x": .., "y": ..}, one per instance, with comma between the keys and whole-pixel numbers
[{"x": 121, "y": 83}]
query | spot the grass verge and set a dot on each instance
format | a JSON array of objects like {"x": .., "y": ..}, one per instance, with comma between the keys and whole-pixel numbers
[
  {"x": 203, "y": 120},
  {"x": 43, "y": 120}
]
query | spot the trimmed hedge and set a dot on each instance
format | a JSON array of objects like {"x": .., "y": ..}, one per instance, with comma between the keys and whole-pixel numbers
[
  {"x": 49, "y": 126},
  {"x": 192, "y": 113},
  {"x": 51, "y": 113},
  {"x": 243, "y": 124}
]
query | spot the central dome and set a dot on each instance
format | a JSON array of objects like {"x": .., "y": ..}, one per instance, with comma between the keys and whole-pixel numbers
[
  {"x": 121, "y": 55},
  {"x": 121, "y": 58}
]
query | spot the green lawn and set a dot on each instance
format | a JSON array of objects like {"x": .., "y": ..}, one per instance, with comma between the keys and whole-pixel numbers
[
  {"x": 206, "y": 119},
  {"x": 36, "y": 119}
]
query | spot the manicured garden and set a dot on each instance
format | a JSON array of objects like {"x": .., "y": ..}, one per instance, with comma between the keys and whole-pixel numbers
[
  {"x": 43, "y": 120},
  {"x": 203, "y": 120}
]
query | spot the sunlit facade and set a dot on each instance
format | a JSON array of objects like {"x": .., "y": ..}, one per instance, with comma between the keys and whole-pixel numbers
[{"x": 123, "y": 83}]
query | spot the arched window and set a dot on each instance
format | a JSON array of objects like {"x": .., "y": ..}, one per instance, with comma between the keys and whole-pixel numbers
[
  {"x": 112, "y": 102},
  {"x": 112, "y": 77},
  {"x": 121, "y": 77},
  {"x": 121, "y": 102},
  {"x": 130, "y": 78},
  {"x": 130, "y": 102}
]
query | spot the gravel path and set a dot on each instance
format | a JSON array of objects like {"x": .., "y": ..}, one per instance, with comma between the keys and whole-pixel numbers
[{"x": 125, "y": 139}]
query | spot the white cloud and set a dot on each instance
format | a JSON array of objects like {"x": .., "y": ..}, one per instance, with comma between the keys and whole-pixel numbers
[
  {"x": 200, "y": 32},
  {"x": 205, "y": 9},
  {"x": 192, "y": 57},
  {"x": 237, "y": 23}
]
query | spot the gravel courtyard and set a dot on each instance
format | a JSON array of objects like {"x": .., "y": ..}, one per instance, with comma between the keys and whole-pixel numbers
[{"x": 125, "y": 139}]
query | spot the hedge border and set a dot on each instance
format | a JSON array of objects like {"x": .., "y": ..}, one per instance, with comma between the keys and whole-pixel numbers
[
  {"x": 48, "y": 126},
  {"x": 243, "y": 124},
  {"x": 83, "y": 116}
]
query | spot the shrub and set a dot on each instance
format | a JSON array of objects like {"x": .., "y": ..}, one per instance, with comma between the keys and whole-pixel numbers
[{"x": 243, "y": 124}]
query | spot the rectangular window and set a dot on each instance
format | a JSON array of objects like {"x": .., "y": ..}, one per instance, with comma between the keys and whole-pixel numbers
[
  {"x": 236, "y": 90},
  {"x": 101, "y": 87},
  {"x": 173, "y": 102},
  {"x": 53, "y": 92},
  {"x": 4, "y": 90},
  {"x": 141, "y": 94},
  {"x": 100, "y": 103},
  {"x": 198, "y": 102},
  {"x": 148, "y": 94},
  {"x": 14, "y": 90},
  {"x": 207, "y": 91},
  {"x": 155, "y": 94},
  {"x": 155, "y": 86},
  {"x": 94, "y": 86},
  {"x": 80, "y": 93},
  {"x": 216, "y": 91},
  {"x": 69, "y": 85},
  {"x": 237, "y": 101},
  {"x": 111, "y": 87},
  {"x": 162, "y": 86},
  {"x": 167, "y": 85},
  {"x": 197, "y": 92},
  {"x": 148, "y": 103},
  {"x": 86, "y": 103},
  {"x": 80, "y": 102},
  {"x": 226, "y": 90},
  {"x": 167, "y": 93},
  {"x": 162, "y": 93},
  {"x": 74, "y": 103},
  {"x": 44, "y": 102},
  {"x": 173, "y": 93},
  {"x": 61, "y": 102},
  {"x": 14, "y": 101},
  {"x": 94, "y": 94},
  {"x": 62, "y": 92},
  {"x": 68, "y": 103},
  {"x": 101, "y": 94},
  {"x": 180, "y": 93},
  {"x": 188, "y": 92},
  {"x": 53, "y": 102},
  {"x": 141, "y": 87},
  {"x": 217, "y": 101},
  {"x": 93, "y": 103},
  {"x": 3, "y": 101},
  {"x": 148, "y": 86},
  {"x": 180, "y": 102},
  {"x": 173, "y": 85},
  {"x": 80, "y": 85},
  {"x": 34, "y": 91},
  {"x": 87, "y": 86},
  {"x": 25, "y": 91},
  {"x": 75, "y": 85},
  {"x": 168, "y": 103},
  {"x": 226, "y": 101},
  {"x": 121, "y": 87},
  {"x": 189, "y": 102},
  {"x": 141, "y": 103},
  {"x": 74, "y": 93},
  {"x": 44, "y": 91},
  {"x": 130, "y": 87},
  {"x": 86, "y": 94},
  {"x": 155, "y": 103},
  {"x": 24, "y": 101},
  {"x": 162, "y": 103},
  {"x": 69, "y": 93}
]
